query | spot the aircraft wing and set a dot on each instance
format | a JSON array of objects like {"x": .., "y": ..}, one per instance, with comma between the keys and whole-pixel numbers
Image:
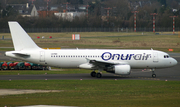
[
  {"x": 96, "y": 64},
  {"x": 100, "y": 62}
]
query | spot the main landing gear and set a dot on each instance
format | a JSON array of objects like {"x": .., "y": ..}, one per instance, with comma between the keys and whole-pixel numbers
[
  {"x": 94, "y": 74},
  {"x": 153, "y": 73}
]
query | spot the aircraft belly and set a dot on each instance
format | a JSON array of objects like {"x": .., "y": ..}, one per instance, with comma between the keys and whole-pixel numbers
[{"x": 139, "y": 64}]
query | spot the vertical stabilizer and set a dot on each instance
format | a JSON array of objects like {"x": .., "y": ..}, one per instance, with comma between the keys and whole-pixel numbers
[{"x": 21, "y": 40}]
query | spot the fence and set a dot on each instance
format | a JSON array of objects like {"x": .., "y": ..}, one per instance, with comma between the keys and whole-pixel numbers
[{"x": 34, "y": 30}]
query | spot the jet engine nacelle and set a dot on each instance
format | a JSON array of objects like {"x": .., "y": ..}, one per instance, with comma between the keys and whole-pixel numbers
[{"x": 119, "y": 69}]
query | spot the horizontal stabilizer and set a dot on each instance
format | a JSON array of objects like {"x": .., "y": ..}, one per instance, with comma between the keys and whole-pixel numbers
[
  {"x": 15, "y": 54},
  {"x": 21, "y": 54}
]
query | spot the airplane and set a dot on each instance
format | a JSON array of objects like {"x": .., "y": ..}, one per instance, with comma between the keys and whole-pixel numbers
[{"x": 115, "y": 61}]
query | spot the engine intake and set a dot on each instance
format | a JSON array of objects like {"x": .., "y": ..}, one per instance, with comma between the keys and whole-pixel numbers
[{"x": 119, "y": 69}]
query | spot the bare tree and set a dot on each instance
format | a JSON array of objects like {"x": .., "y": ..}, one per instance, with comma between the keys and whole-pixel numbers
[{"x": 122, "y": 7}]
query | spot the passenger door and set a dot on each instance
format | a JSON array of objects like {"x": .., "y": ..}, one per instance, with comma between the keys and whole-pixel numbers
[
  {"x": 42, "y": 56},
  {"x": 155, "y": 57}
]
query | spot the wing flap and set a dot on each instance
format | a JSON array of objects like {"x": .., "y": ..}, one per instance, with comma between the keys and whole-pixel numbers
[{"x": 100, "y": 62}]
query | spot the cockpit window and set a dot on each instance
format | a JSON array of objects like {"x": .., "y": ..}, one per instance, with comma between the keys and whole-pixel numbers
[{"x": 166, "y": 56}]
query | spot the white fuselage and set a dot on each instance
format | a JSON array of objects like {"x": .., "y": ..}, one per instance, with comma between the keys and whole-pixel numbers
[{"x": 72, "y": 58}]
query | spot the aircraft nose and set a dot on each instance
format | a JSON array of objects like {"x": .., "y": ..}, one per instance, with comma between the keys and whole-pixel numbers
[{"x": 174, "y": 62}]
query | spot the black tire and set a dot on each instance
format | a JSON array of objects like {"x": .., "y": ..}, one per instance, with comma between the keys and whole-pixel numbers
[
  {"x": 98, "y": 75},
  {"x": 154, "y": 75},
  {"x": 93, "y": 74}
]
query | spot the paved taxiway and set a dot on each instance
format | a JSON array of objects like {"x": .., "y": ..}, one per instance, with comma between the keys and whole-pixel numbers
[{"x": 172, "y": 73}]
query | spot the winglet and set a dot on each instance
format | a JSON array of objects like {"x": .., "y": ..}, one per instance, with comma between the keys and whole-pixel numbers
[{"x": 21, "y": 40}]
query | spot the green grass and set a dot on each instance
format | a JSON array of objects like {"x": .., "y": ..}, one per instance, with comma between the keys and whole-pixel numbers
[
  {"x": 38, "y": 72},
  {"x": 105, "y": 40},
  {"x": 95, "y": 93}
]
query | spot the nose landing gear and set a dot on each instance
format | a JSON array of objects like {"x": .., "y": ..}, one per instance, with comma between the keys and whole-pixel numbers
[{"x": 153, "y": 73}]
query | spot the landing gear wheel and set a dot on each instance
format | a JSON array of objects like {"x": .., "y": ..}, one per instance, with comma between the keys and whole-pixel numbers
[
  {"x": 93, "y": 74},
  {"x": 98, "y": 75},
  {"x": 154, "y": 75}
]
